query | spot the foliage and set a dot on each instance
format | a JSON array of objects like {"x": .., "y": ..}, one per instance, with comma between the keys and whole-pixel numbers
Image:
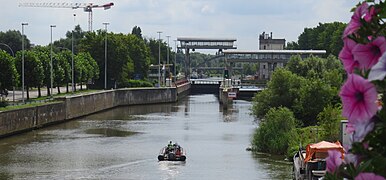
[
  {"x": 137, "y": 31},
  {"x": 8, "y": 74},
  {"x": 329, "y": 120},
  {"x": 136, "y": 83},
  {"x": 13, "y": 39},
  {"x": 326, "y": 36},
  {"x": 33, "y": 70},
  {"x": 66, "y": 43},
  {"x": 364, "y": 58},
  {"x": 275, "y": 131}
]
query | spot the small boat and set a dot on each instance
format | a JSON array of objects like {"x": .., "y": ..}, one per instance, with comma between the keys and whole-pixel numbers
[
  {"x": 172, "y": 153},
  {"x": 311, "y": 163}
]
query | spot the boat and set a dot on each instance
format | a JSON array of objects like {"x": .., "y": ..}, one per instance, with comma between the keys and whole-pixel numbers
[
  {"x": 172, "y": 153},
  {"x": 311, "y": 163}
]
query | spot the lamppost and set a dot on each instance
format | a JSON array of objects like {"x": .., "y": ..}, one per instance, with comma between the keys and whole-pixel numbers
[
  {"x": 51, "y": 64},
  {"x": 22, "y": 57},
  {"x": 175, "y": 61},
  {"x": 72, "y": 59},
  {"x": 106, "y": 54},
  {"x": 159, "y": 58},
  {"x": 167, "y": 57}
]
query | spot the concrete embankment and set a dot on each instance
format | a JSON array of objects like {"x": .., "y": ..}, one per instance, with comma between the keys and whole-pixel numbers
[{"x": 70, "y": 107}]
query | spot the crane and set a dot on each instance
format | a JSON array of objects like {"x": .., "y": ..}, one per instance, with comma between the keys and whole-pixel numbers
[{"x": 87, "y": 7}]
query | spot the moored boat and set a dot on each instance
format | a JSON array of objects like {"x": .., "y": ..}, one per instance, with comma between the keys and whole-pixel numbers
[{"x": 311, "y": 163}]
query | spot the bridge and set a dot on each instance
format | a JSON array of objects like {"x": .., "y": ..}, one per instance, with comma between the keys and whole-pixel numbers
[
  {"x": 191, "y": 43},
  {"x": 269, "y": 60},
  {"x": 212, "y": 86}
]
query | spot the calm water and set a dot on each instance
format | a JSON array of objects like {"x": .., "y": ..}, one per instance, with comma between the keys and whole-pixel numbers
[{"x": 123, "y": 143}]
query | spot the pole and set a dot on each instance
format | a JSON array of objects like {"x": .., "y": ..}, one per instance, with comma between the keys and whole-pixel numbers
[
  {"x": 167, "y": 58},
  {"x": 72, "y": 59},
  {"x": 159, "y": 58},
  {"x": 106, "y": 54},
  {"x": 175, "y": 61},
  {"x": 51, "y": 64},
  {"x": 22, "y": 57}
]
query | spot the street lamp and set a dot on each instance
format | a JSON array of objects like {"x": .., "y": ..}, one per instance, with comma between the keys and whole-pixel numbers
[
  {"x": 159, "y": 58},
  {"x": 22, "y": 57},
  {"x": 51, "y": 64},
  {"x": 106, "y": 54},
  {"x": 72, "y": 59},
  {"x": 167, "y": 56},
  {"x": 175, "y": 61}
]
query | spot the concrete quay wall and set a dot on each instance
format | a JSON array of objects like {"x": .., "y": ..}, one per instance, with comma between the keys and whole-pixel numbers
[{"x": 70, "y": 107}]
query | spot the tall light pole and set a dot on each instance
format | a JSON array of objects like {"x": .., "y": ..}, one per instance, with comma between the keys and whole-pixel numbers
[
  {"x": 159, "y": 58},
  {"x": 72, "y": 59},
  {"x": 22, "y": 57},
  {"x": 175, "y": 61},
  {"x": 167, "y": 57},
  {"x": 51, "y": 64},
  {"x": 106, "y": 54}
]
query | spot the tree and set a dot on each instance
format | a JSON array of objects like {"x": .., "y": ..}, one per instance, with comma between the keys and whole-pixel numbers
[
  {"x": 329, "y": 119},
  {"x": 137, "y": 32},
  {"x": 66, "y": 43},
  {"x": 43, "y": 54},
  {"x": 33, "y": 70},
  {"x": 8, "y": 74},
  {"x": 13, "y": 39},
  {"x": 326, "y": 36},
  {"x": 275, "y": 131},
  {"x": 64, "y": 58}
]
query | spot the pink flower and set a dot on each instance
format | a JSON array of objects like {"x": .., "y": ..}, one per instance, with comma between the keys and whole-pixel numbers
[
  {"x": 378, "y": 72},
  {"x": 362, "y": 129},
  {"x": 366, "y": 176},
  {"x": 369, "y": 15},
  {"x": 359, "y": 98},
  {"x": 334, "y": 160},
  {"x": 355, "y": 22},
  {"x": 347, "y": 57},
  {"x": 350, "y": 158},
  {"x": 368, "y": 54},
  {"x": 350, "y": 127}
]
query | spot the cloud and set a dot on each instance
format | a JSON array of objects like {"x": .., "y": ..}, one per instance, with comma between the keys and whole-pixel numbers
[{"x": 242, "y": 19}]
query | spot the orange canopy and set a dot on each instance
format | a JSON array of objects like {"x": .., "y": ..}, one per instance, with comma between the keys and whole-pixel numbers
[{"x": 322, "y": 146}]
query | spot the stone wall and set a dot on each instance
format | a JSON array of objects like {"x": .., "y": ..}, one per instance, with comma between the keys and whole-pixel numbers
[{"x": 71, "y": 107}]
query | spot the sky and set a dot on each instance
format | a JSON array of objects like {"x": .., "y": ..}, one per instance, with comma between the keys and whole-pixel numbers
[{"x": 243, "y": 20}]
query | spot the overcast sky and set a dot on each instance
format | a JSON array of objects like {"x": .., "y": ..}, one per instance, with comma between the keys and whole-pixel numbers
[{"x": 243, "y": 20}]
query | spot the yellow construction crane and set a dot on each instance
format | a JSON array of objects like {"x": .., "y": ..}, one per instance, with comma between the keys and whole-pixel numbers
[{"x": 87, "y": 7}]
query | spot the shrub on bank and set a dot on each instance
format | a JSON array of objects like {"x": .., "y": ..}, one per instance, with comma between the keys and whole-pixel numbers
[
  {"x": 275, "y": 131},
  {"x": 136, "y": 83}
]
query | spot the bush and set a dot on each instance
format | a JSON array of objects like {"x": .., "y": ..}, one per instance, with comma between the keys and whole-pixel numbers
[
  {"x": 275, "y": 131},
  {"x": 136, "y": 83}
]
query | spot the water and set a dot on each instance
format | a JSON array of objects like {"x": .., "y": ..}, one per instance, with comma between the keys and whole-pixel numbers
[{"x": 123, "y": 143}]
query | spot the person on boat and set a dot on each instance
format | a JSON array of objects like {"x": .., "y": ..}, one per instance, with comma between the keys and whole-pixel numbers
[{"x": 170, "y": 146}]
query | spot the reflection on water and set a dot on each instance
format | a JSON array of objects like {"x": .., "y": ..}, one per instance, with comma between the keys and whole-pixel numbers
[
  {"x": 109, "y": 132},
  {"x": 123, "y": 143}
]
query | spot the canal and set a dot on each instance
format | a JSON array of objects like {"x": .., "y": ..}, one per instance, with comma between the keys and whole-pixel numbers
[{"x": 123, "y": 143}]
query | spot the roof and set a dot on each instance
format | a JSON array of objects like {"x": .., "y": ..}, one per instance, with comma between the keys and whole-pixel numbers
[
  {"x": 205, "y": 39},
  {"x": 275, "y": 51},
  {"x": 322, "y": 146}
]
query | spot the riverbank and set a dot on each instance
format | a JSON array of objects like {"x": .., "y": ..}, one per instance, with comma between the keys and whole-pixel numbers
[{"x": 70, "y": 107}]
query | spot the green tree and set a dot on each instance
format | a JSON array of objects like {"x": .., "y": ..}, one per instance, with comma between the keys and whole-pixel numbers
[
  {"x": 325, "y": 36},
  {"x": 13, "y": 39},
  {"x": 43, "y": 54},
  {"x": 33, "y": 70},
  {"x": 329, "y": 119},
  {"x": 137, "y": 31},
  {"x": 275, "y": 131},
  {"x": 79, "y": 34},
  {"x": 64, "y": 58},
  {"x": 8, "y": 74}
]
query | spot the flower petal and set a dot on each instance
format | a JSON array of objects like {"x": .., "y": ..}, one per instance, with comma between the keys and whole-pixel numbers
[{"x": 378, "y": 72}]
